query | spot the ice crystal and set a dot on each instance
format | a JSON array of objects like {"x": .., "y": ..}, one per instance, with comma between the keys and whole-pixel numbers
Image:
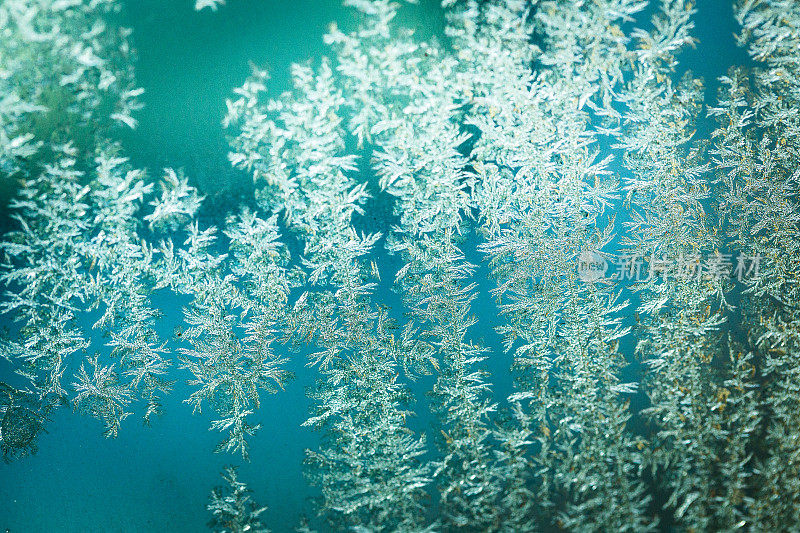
[
  {"x": 200, "y": 5},
  {"x": 64, "y": 65},
  {"x": 232, "y": 507}
]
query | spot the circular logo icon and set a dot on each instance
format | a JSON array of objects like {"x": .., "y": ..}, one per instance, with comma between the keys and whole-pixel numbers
[{"x": 592, "y": 266}]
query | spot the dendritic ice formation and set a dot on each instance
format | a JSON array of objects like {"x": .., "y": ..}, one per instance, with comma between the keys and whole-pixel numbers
[
  {"x": 232, "y": 507},
  {"x": 66, "y": 77},
  {"x": 534, "y": 136}
]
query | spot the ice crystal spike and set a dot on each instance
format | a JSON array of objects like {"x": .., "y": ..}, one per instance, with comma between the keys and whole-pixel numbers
[
  {"x": 681, "y": 316},
  {"x": 177, "y": 205},
  {"x": 369, "y": 468},
  {"x": 756, "y": 158},
  {"x": 233, "y": 508},
  {"x": 101, "y": 395},
  {"x": 237, "y": 310},
  {"x": 536, "y": 222},
  {"x": 21, "y": 422}
]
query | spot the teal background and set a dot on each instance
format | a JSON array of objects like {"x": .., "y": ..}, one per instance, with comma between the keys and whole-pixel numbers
[{"x": 159, "y": 478}]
